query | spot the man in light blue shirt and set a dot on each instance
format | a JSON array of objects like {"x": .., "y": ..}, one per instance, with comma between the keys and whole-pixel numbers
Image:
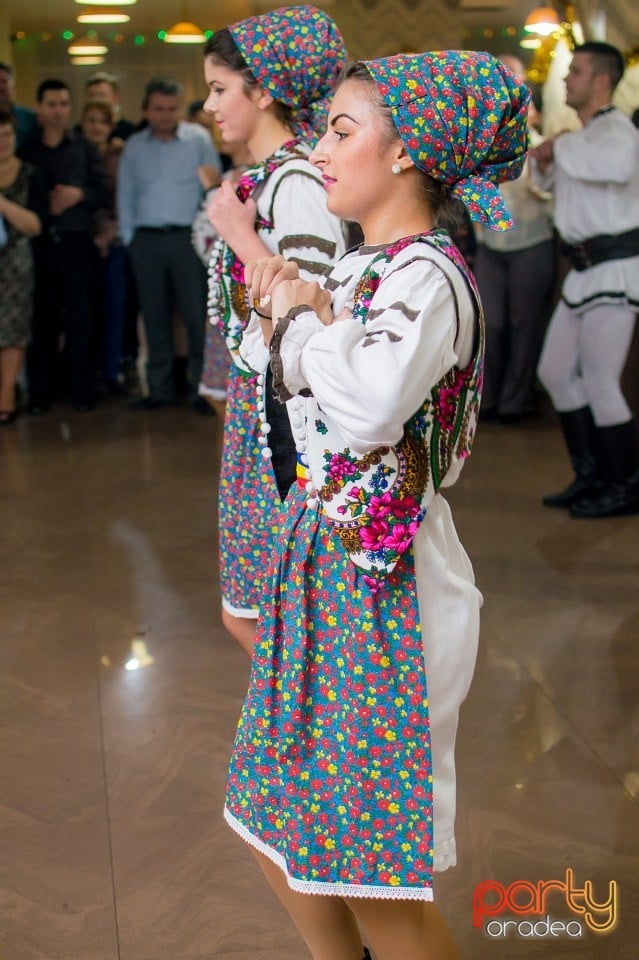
[{"x": 159, "y": 192}]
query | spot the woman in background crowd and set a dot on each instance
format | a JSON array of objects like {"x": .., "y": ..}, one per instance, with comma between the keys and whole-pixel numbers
[
  {"x": 115, "y": 282},
  {"x": 217, "y": 359},
  {"x": 22, "y": 204}
]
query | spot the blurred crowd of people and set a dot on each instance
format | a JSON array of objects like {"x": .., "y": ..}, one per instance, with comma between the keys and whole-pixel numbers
[
  {"x": 102, "y": 291},
  {"x": 105, "y": 241}
]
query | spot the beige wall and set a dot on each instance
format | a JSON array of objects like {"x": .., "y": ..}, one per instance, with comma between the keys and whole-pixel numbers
[
  {"x": 370, "y": 27},
  {"x": 5, "y": 32}
]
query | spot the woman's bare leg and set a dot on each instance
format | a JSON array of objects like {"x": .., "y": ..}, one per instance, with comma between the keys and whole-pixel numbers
[
  {"x": 242, "y": 629},
  {"x": 404, "y": 929},
  {"x": 219, "y": 406},
  {"x": 11, "y": 361},
  {"x": 326, "y": 924}
]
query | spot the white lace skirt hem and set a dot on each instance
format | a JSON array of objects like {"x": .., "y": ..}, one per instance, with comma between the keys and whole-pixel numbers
[
  {"x": 211, "y": 392},
  {"x": 247, "y": 613},
  {"x": 327, "y": 889}
]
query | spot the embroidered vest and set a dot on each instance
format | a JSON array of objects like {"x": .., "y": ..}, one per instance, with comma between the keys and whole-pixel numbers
[
  {"x": 228, "y": 306},
  {"x": 376, "y": 502}
]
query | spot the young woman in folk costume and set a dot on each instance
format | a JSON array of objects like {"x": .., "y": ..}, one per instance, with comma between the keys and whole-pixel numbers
[
  {"x": 269, "y": 80},
  {"x": 342, "y": 776}
]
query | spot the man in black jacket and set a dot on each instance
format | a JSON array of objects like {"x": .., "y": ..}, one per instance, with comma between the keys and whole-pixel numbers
[{"x": 64, "y": 254}]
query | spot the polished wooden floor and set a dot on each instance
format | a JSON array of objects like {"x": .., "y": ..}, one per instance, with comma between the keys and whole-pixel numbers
[{"x": 120, "y": 693}]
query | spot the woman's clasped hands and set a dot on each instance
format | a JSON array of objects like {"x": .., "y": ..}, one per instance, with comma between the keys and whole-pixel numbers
[{"x": 274, "y": 288}]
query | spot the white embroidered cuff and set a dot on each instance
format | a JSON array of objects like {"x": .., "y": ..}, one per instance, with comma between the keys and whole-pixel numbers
[{"x": 253, "y": 350}]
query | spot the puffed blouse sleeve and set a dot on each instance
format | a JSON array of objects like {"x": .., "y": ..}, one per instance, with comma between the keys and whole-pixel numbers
[
  {"x": 370, "y": 378},
  {"x": 303, "y": 231}
]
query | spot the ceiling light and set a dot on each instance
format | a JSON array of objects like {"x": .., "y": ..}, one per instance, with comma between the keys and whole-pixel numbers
[
  {"x": 86, "y": 61},
  {"x": 184, "y": 32},
  {"x": 530, "y": 43},
  {"x": 543, "y": 21},
  {"x": 106, "y": 3},
  {"x": 103, "y": 15},
  {"x": 87, "y": 47}
]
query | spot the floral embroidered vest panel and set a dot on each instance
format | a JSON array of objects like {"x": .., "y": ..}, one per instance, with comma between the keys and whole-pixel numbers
[{"x": 377, "y": 502}]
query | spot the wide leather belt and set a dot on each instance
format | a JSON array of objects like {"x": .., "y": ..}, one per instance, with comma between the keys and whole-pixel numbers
[{"x": 594, "y": 250}]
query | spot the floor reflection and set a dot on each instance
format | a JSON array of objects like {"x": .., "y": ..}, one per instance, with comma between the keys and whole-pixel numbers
[{"x": 121, "y": 691}]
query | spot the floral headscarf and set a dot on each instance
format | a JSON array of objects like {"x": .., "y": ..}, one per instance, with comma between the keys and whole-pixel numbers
[
  {"x": 462, "y": 117},
  {"x": 296, "y": 53}
]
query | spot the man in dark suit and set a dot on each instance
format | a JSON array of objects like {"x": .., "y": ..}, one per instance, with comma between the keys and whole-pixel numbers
[{"x": 64, "y": 254}]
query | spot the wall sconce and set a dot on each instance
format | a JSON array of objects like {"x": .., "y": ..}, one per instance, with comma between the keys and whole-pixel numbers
[
  {"x": 86, "y": 61},
  {"x": 543, "y": 21},
  {"x": 87, "y": 47},
  {"x": 184, "y": 32},
  {"x": 103, "y": 15}
]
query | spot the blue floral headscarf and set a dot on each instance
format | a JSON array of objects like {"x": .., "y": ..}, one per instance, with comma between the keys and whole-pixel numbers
[
  {"x": 297, "y": 54},
  {"x": 462, "y": 117}
]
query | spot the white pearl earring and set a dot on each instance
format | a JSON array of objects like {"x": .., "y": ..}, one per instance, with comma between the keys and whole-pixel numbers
[{"x": 396, "y": 168}]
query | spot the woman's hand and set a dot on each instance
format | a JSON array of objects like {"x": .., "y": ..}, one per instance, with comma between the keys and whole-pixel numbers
[
  {"x": 263, "y": 276},
  {"x": 294, "y": 293},
  {"x": 62, "y": 197},
  {"x": 233, "y": 220},
  {"x": 544, "y": 154}
]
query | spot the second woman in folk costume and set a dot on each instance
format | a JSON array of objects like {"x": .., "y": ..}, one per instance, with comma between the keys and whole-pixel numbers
[
  {"x": 343, "y": 776},
  {"x": 269, "y": 80}
]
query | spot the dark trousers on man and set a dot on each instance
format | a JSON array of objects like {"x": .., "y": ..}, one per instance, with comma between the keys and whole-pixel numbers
[
  {"x": 515, "y": 288},
  {"x": 63, "y": 305},
  {"x": 168, "y": 271}
]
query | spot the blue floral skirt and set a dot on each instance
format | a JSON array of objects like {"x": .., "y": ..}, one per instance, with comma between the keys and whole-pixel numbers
[
  {"x": 250, "y": 508},
  {"x": 331, "y": 774}
]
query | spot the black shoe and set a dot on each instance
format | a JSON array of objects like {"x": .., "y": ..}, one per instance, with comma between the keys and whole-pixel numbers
[
  {"x": 7, "y": 417},
  {"x": 115, "y": 388},
  {"x": 203, "y": 407},
  {"x": 615, "y": 500},
  {"x": 580, "y": 489},
  {"x": 83, "y": 406},
  {"x": 148, "y": 403},
  {"x": 38, "y": 409},
  {"x": 619, "y": 496}
]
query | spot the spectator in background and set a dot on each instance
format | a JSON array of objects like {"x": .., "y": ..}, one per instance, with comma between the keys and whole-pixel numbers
[
  {"x": 114, "y": 273},
  {"x": 104, "y": 87},
  {"x": 21, "y": 206},
  {"x": 217, "y": 360},
  {"x": 515, "y": 272},
  {"x": 159, "y": 191},
  {"x": 195, "y": 113},
  {"x": 594, "y": 174},
  {"x": 64, "y": 253},
  {"x": 25, "y": 119}
]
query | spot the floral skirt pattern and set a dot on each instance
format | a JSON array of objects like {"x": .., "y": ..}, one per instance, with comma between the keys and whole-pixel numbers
[
  {"x": 250, "y": 508},
  {"x": 216, "y": 364},
  {"x": 331, "y": 774}
]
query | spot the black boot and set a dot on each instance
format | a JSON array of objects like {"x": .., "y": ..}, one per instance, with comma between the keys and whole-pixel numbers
[
  {"x": 619, "y": 452},
  {"x": 580, "y": 435}
]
